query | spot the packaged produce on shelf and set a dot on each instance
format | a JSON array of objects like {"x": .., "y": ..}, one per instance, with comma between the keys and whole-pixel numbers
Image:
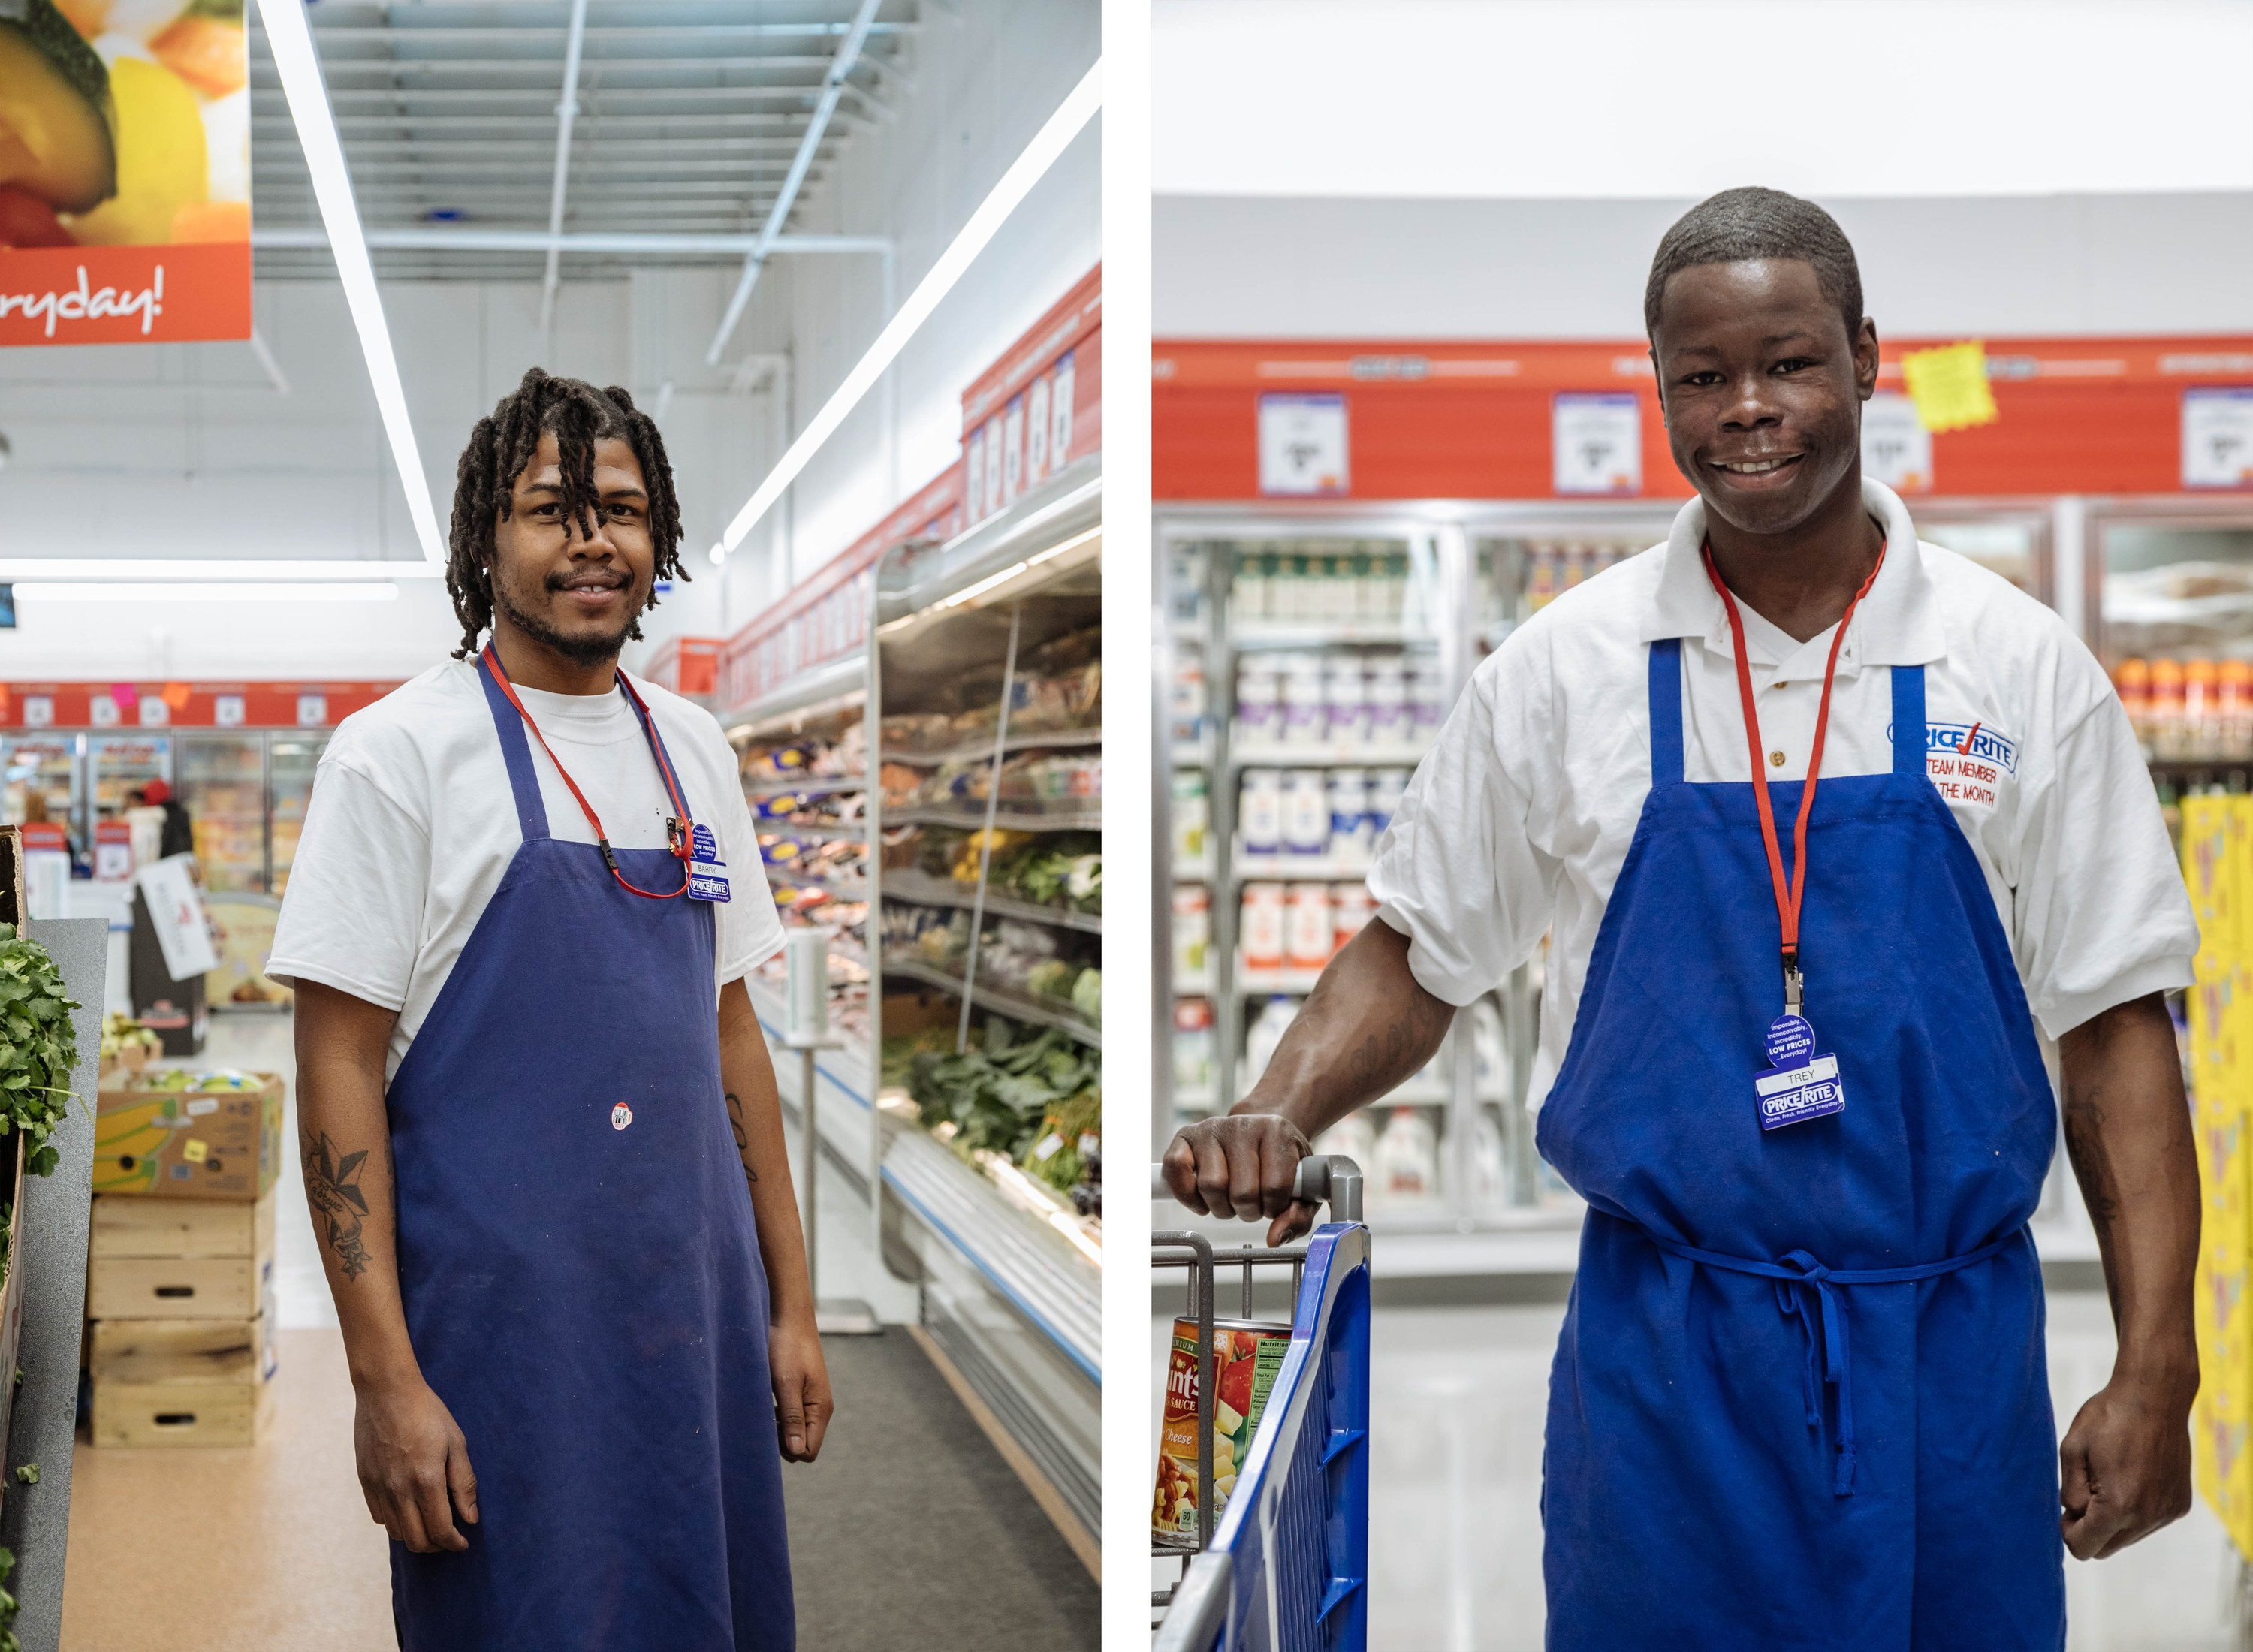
[
  {"x": 181, "y": 1133},
  {"x": 1061, "y": 869},
  {"x": 1550, "y": 569},
  {"x": 1265, "y": 1032},
  {"x": 1338, "y": 697},
  {"x": 1194, "y": 1053},
  {"x": 1192, "y": 816},
  {"x": 1407, "y": 1159},
  {"x": 1057, "y": 688},
  {"x": 805, "y": 758},
  {"x": 1032, "y": 1095},
  {"x": 1190, "y": 708},
  {"x": 1369, "y": 584},
  {"x": 1261, "y": 931},
  {"x": 127, "y": 1046},
  {"x": 1062, "y": 966},
  {"x": 1246, "y": 1357},
  {"x": 2189, "y": 709},
  {"x": 1192, "y": 930},
  {"x": 1065, "y": 782}
]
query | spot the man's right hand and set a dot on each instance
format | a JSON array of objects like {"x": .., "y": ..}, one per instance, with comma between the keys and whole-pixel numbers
[
  {"x": 415, "y": 1467},
  {"x": 1242, "y": 1166}
]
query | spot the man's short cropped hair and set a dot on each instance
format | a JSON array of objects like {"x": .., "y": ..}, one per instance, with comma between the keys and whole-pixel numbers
[{"x": 1750, "y": 223}]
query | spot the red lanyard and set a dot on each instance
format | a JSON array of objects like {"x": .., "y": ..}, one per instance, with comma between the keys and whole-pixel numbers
[
  {"x": 1787, "y": 894},
  {"x": 680, "y": 828}
]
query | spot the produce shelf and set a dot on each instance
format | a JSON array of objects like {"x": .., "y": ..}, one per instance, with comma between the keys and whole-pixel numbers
[
  {"x": 1331, "y": 754},
  {"x": 930, "y": 891},
  {"x": 843, "y": 888},
  {"x": 1020, "y": 1006},
  {"x": 1315, "y": 633},
  {"x": 1015, "y": 819},
  {"x": 812, "y": 786},
  {"x": 1295, "y": 868},
  {"x": 790, "y": 829},
  {"x": 975, "y": 749}
]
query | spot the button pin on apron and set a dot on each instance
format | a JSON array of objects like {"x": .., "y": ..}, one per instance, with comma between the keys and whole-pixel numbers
[
  {"x": 1799, "y": 1088},
  {"x": 621, "y": 1116}
]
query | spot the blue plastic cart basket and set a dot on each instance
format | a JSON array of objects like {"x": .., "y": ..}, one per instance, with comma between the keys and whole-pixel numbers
[{"x": 1287, "y": 1570}]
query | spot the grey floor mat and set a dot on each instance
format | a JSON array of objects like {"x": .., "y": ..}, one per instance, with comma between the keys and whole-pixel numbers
[{"x": 912, "y": 1532}]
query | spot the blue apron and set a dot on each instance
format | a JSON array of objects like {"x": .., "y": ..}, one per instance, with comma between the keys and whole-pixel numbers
[
  {"x": 1801, "y": 1400},
  {"x": 586, "y": 1299}
]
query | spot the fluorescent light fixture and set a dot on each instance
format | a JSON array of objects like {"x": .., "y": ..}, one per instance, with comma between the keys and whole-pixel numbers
[
  {"x": 121, "y": 592},
  {"x": 1026, "y": 170},
  {"x": 290, "y": 39}
]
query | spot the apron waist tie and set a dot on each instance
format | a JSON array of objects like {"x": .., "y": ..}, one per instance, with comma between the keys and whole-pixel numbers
[{"x": 1800, "y": 1277}]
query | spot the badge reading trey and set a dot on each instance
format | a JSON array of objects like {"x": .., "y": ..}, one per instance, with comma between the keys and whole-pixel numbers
[{"x": 1802, "y": 1084}]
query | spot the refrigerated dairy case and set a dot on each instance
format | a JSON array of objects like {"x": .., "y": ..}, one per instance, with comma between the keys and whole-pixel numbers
[{"x": 1312, "y": 652}]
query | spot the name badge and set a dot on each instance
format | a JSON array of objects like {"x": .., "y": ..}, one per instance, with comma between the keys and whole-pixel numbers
[
  {"x": 707, "y": 886},
  {"x": 1802, "y": 1084}
]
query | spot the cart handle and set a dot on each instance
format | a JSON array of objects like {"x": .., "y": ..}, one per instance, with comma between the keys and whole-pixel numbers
[{"x": 1332, "y": 1179}]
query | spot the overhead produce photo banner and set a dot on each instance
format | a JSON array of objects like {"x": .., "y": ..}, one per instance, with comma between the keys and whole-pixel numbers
[{"x": 124, "y": 171}]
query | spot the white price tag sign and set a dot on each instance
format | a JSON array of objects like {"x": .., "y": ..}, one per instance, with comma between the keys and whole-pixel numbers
[
  {"x": 1896, "y": 448},
  {"x": 39, "y": 711},
  {"x": 312, "y": 710},
  {"x": 226, "y": 710},
  {"x": 176, "y": 912},
  {"x": 1302, "y": 446},
  {"x": 1596, "y": 443},
  {"x": 2217, "y": 438}
]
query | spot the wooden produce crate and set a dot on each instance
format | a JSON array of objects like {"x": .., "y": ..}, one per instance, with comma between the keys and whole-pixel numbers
[
  {"x": 216, "y": 1264},
  {"x": 181, "y": 1291},
  {"x": 182, "y": 1413}
]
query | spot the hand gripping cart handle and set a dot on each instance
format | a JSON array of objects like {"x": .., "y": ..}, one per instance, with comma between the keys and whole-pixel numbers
[{"x": 1287, "y": 1570}]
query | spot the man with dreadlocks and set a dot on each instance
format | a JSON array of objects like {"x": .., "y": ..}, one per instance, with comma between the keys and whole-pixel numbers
[
  {"x": 1799, "y": 1001},
  {"x": 542, "y": 1137}
]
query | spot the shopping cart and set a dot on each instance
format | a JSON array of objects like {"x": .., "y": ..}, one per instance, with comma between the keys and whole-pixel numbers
[{"x": 1287, "y": 1569}]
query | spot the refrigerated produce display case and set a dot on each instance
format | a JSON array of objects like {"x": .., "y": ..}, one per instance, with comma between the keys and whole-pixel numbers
[
  {"x": 985, "y": 719},
  {"x": 43, "y": 766},
  {"x": 292, "y": 760},
  {"x": 117, "y": 763}
]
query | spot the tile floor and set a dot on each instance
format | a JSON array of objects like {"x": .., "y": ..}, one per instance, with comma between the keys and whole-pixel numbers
[{"x": 1454, "y": 1521}]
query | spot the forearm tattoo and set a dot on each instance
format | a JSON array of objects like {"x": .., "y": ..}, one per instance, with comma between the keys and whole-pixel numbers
[
  {"x": 2092, "y": 1160},
  {"x": 743, "y": 1141},
  {"x": 332, "y": 1184}
]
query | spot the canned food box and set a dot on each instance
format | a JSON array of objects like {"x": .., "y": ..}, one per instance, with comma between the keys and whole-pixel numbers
[{"x": 1246, "y": 1355}]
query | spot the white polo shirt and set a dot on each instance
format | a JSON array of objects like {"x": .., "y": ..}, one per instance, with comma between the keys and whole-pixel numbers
[{"x": 1518, "y": 821}]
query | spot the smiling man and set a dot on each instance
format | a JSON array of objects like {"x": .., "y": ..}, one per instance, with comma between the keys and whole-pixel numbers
[
  {"x": 542, "y": 1138},
  {"x": 1836, "y": 836}
]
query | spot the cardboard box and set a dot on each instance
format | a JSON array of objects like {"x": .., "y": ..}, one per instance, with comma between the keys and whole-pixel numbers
[
  {"x": 189, "y": 1144},
  {"x": 128, "y": 1225},
  {"x": 155, "y": 1352},
  {"x": 182, "y": 1413}
]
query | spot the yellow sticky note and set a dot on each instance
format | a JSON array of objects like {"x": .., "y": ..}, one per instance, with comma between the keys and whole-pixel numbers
[
  {"x": 1949, "y": 385},
  {"x": 195, "y": 1152}
]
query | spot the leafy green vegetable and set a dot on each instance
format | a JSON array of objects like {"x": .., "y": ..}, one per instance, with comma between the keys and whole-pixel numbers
[
  {"x": 996, "y": 1097},
  {"x": 1087, "y": 994},
  {"x": 29, "y": 1473},
  {"x": 39, "y": 1045}
]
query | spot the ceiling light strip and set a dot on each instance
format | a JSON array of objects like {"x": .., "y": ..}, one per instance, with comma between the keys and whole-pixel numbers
[
  {"x": 565, "y": 113},
  {"x": 290, "y": 39},
  {"x": 1026, "y": 170},
  {"x": 88, "y": 591}
]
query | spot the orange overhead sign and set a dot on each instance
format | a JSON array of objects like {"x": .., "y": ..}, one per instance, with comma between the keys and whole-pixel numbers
[
  {"x": 1475, "y": 419},
  {"x": 124, "y": 171}
]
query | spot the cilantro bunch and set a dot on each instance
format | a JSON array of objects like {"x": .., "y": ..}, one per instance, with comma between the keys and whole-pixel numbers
[{"x": 39, "y": 1045}]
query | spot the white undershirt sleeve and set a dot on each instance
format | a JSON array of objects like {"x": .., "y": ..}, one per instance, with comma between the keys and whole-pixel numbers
[
  {"x": 352, "y": 915},
  {"x": 750, "y": 931},
  {"x": 2101, "y": 914},
  {"x": 1458, "y": 872}
]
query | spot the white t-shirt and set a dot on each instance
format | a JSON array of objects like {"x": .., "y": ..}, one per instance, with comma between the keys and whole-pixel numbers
[
  {"x": 412, "y": 823},
  {"x": 1519, "y": 819}
]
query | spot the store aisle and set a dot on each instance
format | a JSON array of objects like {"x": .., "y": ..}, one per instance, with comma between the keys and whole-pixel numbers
[
  {"x": 912, "y": 1531},
  {"x": 263, "y": 1549},
  {"x": 1455, "y": 1500}
]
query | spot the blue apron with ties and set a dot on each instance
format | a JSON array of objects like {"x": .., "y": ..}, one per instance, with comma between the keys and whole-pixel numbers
[
  {"x": 581, "y": 1274},
  {"x": 1801, "y": 1399}
]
